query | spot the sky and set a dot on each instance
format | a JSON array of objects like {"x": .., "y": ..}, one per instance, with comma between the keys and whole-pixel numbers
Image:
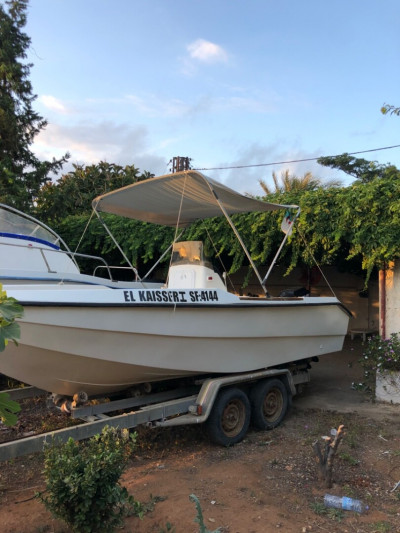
[{"x": 228, "y": 83}]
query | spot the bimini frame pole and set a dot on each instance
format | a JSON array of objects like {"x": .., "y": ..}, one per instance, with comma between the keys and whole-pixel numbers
[
  {"x": 162, "y": 257},
  {"x": 280, "y": 248},
  {"x": 117, "y": 245},
  {"x": 232, "y": 225}
]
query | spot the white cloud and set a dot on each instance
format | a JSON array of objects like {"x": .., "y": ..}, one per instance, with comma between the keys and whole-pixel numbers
[
  {"x": 156, "y": 107},
  {"x": 53, "y": 103},
  {"x": 153, "y": 106},
  {"x": 207, "y": 52},
  {"x": 89, "y": 143},
  {"x": 246, "y": 179}
]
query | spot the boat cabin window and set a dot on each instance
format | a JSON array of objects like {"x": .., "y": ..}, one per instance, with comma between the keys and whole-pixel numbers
[{"x": 189, "y": 253}]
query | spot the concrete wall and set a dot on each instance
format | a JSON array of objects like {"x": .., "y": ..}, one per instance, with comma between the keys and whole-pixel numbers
[{"x": 392, "y": 299}]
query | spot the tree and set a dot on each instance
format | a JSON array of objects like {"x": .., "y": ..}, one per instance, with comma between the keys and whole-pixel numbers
[
  {"x": 371, "y": 214},
  {"x": 21, "y": 172},
  {"x": 387, "y": 109},
  {"x": 290, "y": 182},
  {"x": 360, "y": 222},
  {"x": 73, "y": 193},
  {"x": 66, "y": 206},
  {"x": 358, "y": 168},
  {"x": 356, "y": 227}
]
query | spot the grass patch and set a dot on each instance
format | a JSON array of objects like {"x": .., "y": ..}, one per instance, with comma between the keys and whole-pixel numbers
[
  {"x": 346, "y": 457},
  {"x": 381, "y": 527}
]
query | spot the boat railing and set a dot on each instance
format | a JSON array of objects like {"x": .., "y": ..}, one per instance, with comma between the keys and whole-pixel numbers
[
  {"x": 110, "y": 267},
  {"x": 74, "y": 256},
  {"x": 105, "y": 265}
]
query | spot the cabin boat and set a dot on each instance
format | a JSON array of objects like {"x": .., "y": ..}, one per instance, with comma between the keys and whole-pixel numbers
[{"x": 98, "y": 339}]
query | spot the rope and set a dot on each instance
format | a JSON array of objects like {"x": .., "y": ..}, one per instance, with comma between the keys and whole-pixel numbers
[
  {"x": 315, "y": 261},
  {"x": 218, "y": 256},
  {"x": 84, "y": 231},
  {"x": 177, "y": 226}
]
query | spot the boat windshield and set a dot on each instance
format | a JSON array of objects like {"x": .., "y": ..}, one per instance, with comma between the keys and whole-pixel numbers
[
  {"x": 189, "y": 253},
  {"x": 15, "y": 224}
]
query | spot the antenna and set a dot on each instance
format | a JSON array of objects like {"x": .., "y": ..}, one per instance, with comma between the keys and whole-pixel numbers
[{"x": 180, "y": 163}]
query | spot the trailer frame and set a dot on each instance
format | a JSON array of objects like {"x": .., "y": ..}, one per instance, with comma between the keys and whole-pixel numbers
[{"x": 163, "y": 409}]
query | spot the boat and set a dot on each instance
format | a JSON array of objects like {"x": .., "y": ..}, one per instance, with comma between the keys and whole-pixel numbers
[
  {"x": 31, "y": 252},
  {"x": 96, "y": 339}
]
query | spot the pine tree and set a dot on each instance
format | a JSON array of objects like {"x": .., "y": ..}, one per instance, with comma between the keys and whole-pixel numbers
[{"x": 21, "y": 173}]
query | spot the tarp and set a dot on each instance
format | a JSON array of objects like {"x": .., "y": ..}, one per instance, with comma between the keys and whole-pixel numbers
[{"x": 178, "y": 200}]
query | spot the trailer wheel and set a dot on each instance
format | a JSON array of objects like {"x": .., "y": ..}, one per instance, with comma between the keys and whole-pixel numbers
[
  {"x": 269, "y": 403},
  {"x": 229, "y": 419}
]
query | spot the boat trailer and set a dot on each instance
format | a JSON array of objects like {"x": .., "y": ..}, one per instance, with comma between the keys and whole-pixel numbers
[{"x": 187, "y": 405}]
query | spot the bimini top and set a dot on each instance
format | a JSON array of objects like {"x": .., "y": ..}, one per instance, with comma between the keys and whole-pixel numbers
[{"x": 178, "y": 200}]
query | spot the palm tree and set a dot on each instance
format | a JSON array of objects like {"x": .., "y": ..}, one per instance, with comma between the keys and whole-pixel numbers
[{"x": 292, "y": 183}]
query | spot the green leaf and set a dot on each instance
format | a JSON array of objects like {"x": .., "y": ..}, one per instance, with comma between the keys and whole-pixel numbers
[
  {"x": 199, "y": 518},
  {"x": 10, "y": 309},
  {"x": 8, "y": 332},
  {"x": 8, "y": 408}
]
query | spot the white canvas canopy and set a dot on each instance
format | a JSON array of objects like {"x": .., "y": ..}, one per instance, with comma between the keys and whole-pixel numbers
[{"x": 178, "y": 200}]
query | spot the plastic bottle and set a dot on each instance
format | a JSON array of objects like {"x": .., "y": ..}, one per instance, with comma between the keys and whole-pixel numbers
[{"x": 348, "y": 504}]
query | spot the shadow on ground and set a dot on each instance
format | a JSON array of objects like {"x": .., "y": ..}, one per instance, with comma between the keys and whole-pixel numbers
[{"x": 331, "y": 387}]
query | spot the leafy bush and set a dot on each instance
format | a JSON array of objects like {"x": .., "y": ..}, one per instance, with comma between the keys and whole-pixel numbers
[
  {"x": 82, "y": 482},
  {"x": 382, "y": 354},
  {"x": 10, "y": 309},
  {"x": 379, "y": 354},
  {"x": 8, "y": 409}
]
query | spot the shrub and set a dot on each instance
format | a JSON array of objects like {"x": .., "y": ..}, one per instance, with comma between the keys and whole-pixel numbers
[
  {"x": 382, "y": 354},
  {"x": 10, "y": 309},
  {"x": 82, "y": 481},
  {"x": 379, "y": 354}
]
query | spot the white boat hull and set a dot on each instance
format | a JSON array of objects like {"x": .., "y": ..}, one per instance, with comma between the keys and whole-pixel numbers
[{"x": 100, "y": 341}]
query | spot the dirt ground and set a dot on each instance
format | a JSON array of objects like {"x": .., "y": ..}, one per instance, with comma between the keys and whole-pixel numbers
[{"x": 266, "y": 483}]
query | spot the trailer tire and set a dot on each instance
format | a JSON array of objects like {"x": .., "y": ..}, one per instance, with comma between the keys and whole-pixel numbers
[
  {"x": 229, "y": 419},
  {"x": 269, "y": 403}
]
